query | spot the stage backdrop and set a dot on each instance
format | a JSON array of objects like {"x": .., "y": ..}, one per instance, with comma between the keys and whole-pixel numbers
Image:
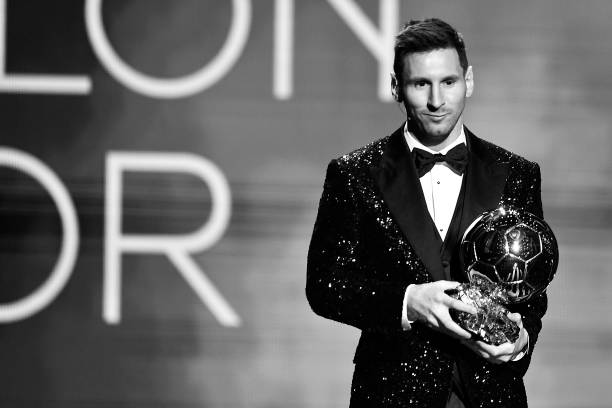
[{"x": 161, "y": 164}]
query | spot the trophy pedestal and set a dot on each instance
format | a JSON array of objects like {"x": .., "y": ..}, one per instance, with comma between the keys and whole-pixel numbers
[{"x": 491, "y": 323}]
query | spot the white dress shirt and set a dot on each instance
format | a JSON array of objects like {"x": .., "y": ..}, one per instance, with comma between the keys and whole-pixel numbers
[{"x": 441, "y": 185}]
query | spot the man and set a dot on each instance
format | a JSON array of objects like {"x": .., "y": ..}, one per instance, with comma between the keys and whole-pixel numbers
[{"x": 384, "y": 249}]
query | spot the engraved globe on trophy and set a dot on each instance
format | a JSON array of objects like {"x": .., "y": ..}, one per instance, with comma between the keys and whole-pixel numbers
[{"x": 509, "y": 256}]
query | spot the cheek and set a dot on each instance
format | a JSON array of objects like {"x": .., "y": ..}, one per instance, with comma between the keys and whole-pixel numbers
[
  {"x": 414, "y": 100},
  {"x": 457, "y": 96}
]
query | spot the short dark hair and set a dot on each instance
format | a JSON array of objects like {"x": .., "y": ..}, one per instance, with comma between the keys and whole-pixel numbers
[{"x": 426, "y": 35}]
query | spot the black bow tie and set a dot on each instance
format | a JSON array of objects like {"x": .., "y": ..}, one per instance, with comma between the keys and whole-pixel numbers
[{"x": 456, "y": 158}]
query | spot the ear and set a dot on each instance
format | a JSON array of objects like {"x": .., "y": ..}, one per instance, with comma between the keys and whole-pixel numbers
[
  {"x": 469, "y": 82},
  {"x": 395, "y": 88}
]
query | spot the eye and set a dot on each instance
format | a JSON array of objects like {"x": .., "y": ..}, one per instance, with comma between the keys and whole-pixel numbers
[
  {"x": 420, "y": 84},
  {"x": 449, "y": 82}
]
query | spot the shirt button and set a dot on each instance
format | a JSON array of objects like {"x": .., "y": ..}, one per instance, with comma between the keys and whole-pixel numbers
[{"x": 438, "y": 181}]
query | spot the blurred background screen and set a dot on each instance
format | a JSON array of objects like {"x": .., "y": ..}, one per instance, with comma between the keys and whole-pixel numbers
[{"x": 161, "y": 166}]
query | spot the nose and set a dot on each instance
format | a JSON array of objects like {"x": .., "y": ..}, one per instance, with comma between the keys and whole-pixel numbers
[{"x": 436, "y": 99}]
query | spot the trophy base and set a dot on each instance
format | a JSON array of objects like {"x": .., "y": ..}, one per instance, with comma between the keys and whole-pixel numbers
[{"x": 491, "y": 323}]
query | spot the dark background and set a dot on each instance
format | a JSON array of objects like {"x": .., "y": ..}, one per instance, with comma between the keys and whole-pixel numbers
[{"x": 543, "y": 89}]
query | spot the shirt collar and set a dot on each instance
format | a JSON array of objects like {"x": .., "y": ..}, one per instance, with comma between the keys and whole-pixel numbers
[{"x": 414, "y": 142}]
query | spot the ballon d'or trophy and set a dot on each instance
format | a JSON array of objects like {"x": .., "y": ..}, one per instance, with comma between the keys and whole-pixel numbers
[{"x": 509, "y": 256}]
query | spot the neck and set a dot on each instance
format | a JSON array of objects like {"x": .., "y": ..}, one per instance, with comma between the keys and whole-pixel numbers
[{"x": 437, "y": 143}]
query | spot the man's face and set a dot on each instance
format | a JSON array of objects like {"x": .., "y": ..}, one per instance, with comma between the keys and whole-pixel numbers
[{"x": 434, "y": 91}]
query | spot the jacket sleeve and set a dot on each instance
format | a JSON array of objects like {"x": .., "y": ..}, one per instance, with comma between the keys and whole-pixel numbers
[
  {"x": 339, "y": 284},
  {"x": 533, "y": 310}
]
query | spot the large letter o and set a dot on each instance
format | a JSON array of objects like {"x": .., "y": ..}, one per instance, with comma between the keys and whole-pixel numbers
[
  {"x": 175, "y": 87},
  {"x": 48, "y": 291}
]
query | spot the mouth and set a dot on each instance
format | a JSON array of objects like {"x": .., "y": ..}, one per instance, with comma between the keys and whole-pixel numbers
[{"x": 436, "y": 117}]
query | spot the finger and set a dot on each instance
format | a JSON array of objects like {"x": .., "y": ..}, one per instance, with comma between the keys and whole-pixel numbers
[
  {"x": 477, "y": 348},
  {"x": 499, "y": 357},
  {"x": 516, "y": 318},
  {"x": 521, "y": 342},
  {"x": 505, "y": 349},
  {"x": 446, "y": 285},
  {"x": 454, "y": 329},
  {"x": 457, "y": 304},
  {"x": 489, "y": 348}
]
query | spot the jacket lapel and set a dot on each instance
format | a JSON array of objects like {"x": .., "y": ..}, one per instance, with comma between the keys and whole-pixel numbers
[
  {"x": 400, "y": 187},
  {"x": 486, "y": 178}
]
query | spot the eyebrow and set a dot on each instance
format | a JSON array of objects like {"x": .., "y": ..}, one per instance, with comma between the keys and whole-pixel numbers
[{"x": 428, "y": 80}]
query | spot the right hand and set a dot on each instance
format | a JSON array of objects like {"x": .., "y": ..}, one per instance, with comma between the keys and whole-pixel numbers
[{"x": 429, "y": 304}]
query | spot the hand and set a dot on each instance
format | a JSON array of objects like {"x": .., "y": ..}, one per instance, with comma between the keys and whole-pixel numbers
[
  {"x": 504, "y": 352},
  {"x": 429, "y": 304}
]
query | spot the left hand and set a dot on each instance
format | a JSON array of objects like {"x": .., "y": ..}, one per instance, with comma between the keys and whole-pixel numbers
[{"x": 504, "y": 352}]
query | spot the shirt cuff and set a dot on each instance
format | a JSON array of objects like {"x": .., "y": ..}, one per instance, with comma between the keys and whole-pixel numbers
[
  {"x": 524, "y": 351},
  {"x": 406, "y": 324}
]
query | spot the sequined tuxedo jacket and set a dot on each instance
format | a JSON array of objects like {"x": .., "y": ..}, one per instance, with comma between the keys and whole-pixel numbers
[{"x": 373, "y": 236}]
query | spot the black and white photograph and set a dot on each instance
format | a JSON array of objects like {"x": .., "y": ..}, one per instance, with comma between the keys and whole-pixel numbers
[{"x": 305, "y": 203}]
